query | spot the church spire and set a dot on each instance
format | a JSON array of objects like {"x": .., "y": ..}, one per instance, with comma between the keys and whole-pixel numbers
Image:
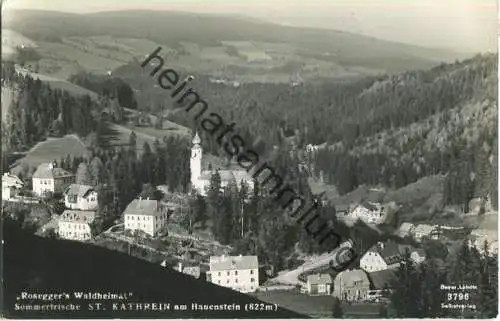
[{"x": 196, "y": 139}]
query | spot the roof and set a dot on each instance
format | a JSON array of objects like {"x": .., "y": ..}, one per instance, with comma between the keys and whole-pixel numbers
[
  {"x": 77, "y": 216},
  {"x": 242, "y": 262},
  {"x": 348, "y": 277},
  {"x": 192, "y": 270},
  {"x": 11, "y": 180},
  {"x": 389, "y": 251},
  {"x": 241, "y": 175},
  {"x": 380, "y": 279},
  {"x": 424, "y": 229},
  {"x": 406, "y": 227},
  {"x": 46, "y": 171},
  {"x": 225, "y": 175},
  {"x": 319, "y": 279},
  {"x": 143, "y": 207},
  {"x": 78, "y": 190}
]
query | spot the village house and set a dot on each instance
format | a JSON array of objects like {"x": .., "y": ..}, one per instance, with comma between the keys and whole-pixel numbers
[
  {"x": 480, "y": 205},
  {"x": 76, "y": 225},
  {"x": 406, "y": 230},
  {"x": 193, "y": 271},
  {"x": 478, "y": 237},
  {"x": 49, "y": 178},
  {"x": 380, "y": 284},
  {"x": 145, "y": 215},
  {"x": 80, "y": 197},
  {"x": 319, "y": 284},
  {"x": 240, "y": 273},
  {"x": 368, "y": 212},
  {"x": 416, "y": 255},
  {"x": 425, "y": 230},
  {"x": 381, "y": 256},
  {"x": 11, "y": 186},
  {"x": 351, "y": 285}
]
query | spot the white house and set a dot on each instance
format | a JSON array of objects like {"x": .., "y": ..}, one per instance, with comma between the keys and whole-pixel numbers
[
  {"x": 240, "y": 273},
  {"x": 351, "y": 285},
  {"x": 368, "y": 212},
  {"x": 381, "y": 256},
  {"x": 193, "y": 271},
  {"x": 146, "y": 215},
  {"x": 319, "y": 284},
  {"x": 406, "y": 229},
  {"x": 425, "y": 230},
  {"x": 80, "y": 197},
  {"x": 416, "y": 255},
  {"x": 76, "y": 225},
  {"x": 200, "y": 179},
  {"x": 478, "y": 237},
  {"x": 48, "y": 178},
  {"x": 11, "y": 185}
]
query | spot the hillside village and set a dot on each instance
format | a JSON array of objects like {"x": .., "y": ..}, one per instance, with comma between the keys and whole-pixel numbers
[{"x": 150, "y": 184}]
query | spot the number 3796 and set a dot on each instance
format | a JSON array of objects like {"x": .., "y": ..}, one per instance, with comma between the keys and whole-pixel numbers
[{"x": 458, "y": 296}]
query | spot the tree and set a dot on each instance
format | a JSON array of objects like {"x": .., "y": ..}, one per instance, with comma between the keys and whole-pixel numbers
[
  {"x": 83, "y": 175},
  {"x": 337, "y": 311},
  {"x": 97, "y": 170}
]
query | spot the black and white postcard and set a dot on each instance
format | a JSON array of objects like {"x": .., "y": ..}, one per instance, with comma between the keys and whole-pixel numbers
[{"x": 249, "y": 159}]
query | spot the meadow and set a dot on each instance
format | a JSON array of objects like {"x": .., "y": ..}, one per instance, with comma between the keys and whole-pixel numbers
[{"x": 51, "y": 149}]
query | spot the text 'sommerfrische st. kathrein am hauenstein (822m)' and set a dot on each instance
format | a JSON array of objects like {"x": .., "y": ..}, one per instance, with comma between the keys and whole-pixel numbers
[{"x": 235, "y": 146}]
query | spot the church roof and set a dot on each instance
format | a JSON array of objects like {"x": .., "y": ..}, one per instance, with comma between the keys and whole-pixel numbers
[
  {"x": 196, "y": 139},
  {"x": 225, "y": 175}
]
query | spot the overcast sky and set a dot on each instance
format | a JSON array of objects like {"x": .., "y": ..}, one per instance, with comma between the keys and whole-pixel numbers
[{"x": 459, "y": 24}]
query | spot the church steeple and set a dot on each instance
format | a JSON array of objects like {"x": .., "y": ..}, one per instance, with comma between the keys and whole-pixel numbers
[{"x": 195, "y": 163}]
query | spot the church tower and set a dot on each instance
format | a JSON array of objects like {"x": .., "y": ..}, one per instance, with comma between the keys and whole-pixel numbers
[{"x": 195, "y": 164}]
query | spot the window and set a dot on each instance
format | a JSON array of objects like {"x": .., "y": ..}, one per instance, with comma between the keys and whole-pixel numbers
[
  {"x": 235, "y": 272},
  {"x": 251, "y": 271},
  {"x": 228, "y": 273},
  {"x": 219, "y": 273},
  {"x": 219, "y": 281},
  {"x": 252, "y": 280},
  {"x": 227, "y": 281},
  {"x": 235, "y": 280}
]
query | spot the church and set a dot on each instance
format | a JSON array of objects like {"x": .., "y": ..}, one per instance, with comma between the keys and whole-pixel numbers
[{"x": 200, "y": 179}]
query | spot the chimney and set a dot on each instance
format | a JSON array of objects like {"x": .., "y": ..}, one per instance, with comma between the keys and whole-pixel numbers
[
  {"x": 180, "y": 266},
  {"x": 140, "y": 198},
  {"x": 380, "y": 245}
]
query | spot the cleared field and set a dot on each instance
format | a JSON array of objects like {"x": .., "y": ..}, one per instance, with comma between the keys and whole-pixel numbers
[
  {"x": 314, "y": 306},
  {"x": 51, "y": 149}
]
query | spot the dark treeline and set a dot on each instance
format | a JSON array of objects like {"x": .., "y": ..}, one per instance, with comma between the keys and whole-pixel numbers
[
  {"x": 417, "y": 293},
  {"x": 107, "y": 86},
  {"x": 38, "y": 111}
]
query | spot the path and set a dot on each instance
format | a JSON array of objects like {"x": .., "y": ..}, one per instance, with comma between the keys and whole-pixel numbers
[{"x": 292, "y": 277}]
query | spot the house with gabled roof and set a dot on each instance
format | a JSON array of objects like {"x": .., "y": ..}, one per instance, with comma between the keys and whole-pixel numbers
[
  {"x": 406, "y": 230},
  {"x": 351, "y": 285},
  {"x": 49, "y": 178},
  {"x": 240, "y": 273},
  {"x": 319, "y": 284},
  {"x": 425, "y": 230},
  {"x": 146, "y": 215},
  {"x": 80, "y": 197},
  {"x": 381, "y": 256},
  {"x": 11, "y": 185},
  {"x": 368, "y": 212},
  {"x": 76, "y": 225}
]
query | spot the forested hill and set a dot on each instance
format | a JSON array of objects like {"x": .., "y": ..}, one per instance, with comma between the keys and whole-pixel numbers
[{"x": 389, "y": 130}]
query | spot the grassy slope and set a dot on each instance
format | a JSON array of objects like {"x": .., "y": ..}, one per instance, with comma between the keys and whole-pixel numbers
[
  {"x": 43, "y": 265},
  {"x": 51, "y": 149}
]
